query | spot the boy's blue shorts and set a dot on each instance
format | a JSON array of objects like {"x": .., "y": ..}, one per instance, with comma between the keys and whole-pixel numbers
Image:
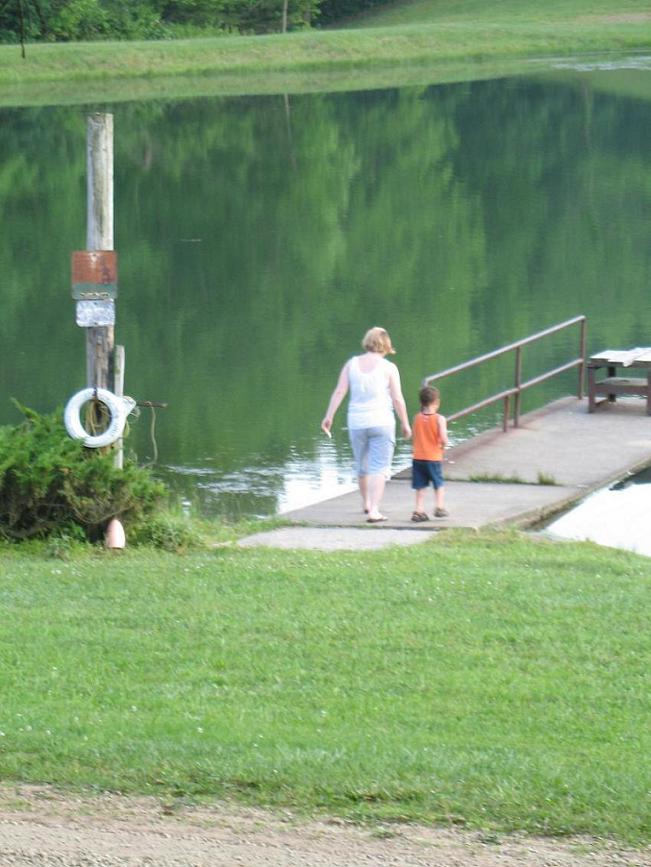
[{"x": 424, "y": 472}]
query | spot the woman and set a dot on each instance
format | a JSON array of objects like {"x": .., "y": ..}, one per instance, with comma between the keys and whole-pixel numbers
[{"x": 375, "y": 392}]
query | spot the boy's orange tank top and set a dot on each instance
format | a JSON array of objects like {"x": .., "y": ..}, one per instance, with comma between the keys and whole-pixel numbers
[{"x": 426, "y": 442}]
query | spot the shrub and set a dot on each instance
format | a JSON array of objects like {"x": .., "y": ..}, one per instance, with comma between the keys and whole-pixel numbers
[
  {"x": 169, "y": 531},
  {"x": 50, "y": 483}
]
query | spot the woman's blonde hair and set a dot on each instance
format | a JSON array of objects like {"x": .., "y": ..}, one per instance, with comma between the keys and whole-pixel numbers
[{"x": 377, "y": 340}]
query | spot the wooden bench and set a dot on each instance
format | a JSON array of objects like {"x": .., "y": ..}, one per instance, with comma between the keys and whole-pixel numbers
[{"x": 612, "y": 385}]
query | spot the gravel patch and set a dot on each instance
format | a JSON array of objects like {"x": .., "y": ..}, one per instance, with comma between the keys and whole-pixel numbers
[
  {"x": 335, "y": 538},
  {"x": 44, "y": 827}
]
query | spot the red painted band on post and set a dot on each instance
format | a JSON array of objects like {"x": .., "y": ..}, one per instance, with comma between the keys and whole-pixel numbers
[{"x": 94, "y": 272}]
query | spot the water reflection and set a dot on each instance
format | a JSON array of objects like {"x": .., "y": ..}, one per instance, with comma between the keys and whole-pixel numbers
[
  {"x": 642, "y": 61},
  {"x": 618, "y": 517},
  {"x": 265, "y": 489},
  {"x": 254, "y": 255}
]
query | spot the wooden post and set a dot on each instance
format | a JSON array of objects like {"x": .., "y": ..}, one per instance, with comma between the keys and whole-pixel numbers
[
  {"x": 518, "y": 383},
  {"x": 119, "y": 392},
  {"x": 99, "y": 236},
  {"x": 582, "y": 345}
]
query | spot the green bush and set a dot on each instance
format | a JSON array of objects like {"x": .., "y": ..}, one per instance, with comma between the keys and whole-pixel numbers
[
  {"x": 51, "y": 484},
  {"x": 170, "y": 532}
]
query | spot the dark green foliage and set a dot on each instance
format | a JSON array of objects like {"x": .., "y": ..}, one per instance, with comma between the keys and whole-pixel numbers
[
  {"x": 336, "y": 10},
  {"x": 50, "y": 483},
  {"x": 201, "y": 13},
  {"x": 62, "y": 20},
  {"x": 70, "y": 20},
  {"x": 170, "y": 532}
]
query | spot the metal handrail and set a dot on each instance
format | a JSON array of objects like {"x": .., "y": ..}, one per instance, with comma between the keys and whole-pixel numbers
[{"x": 519, "y": 386}]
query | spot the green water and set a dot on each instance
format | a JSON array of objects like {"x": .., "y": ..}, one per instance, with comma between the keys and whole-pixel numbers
[{"x": 259, "y": 238}]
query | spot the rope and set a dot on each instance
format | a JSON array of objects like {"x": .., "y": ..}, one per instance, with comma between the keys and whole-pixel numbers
[
  {"x": 152, "y": 431},
  {"x": 152, "y": 434},
  {"x": 97, "y": 419}
]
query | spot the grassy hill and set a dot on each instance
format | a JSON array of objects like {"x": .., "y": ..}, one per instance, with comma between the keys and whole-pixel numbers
[
  {"x": 506, "y": 12},
  {"x": 421, "y": 42}
]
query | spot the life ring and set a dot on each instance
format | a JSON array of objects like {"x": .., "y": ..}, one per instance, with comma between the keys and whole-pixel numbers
[{"x": 118, "y": 408}]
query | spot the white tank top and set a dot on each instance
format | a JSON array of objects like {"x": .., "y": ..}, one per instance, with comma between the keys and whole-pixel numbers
[{"x": 370, "y": 403}]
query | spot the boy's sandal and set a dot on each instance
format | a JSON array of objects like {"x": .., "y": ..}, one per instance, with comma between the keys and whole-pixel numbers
[
  {"x": 419, "y": 517},
  {"x": 441, "y": 513}
]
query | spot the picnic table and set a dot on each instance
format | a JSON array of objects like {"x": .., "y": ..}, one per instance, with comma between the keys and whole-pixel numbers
[{"x": 613, "y": 384}]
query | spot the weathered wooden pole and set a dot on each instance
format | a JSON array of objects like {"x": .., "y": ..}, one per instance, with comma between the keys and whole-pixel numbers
[
  {"x": 118, "y": 390},
  {"x": 100, "y": 337},
  {"x": 94, "y": 270}
]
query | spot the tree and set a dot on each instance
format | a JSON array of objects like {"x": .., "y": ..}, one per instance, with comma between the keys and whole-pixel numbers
[
  {"x": 66, "y": 20},
  {"x": 22, "y": 18}
]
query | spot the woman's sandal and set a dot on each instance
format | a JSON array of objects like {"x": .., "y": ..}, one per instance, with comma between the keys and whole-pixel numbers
[
  {"x": 419, "y": 517},
  {"x": 377, "y": 520}
]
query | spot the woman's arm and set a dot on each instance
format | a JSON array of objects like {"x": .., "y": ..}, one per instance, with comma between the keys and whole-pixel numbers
[
  {"x": 399, "y": 404},
  {"x": 443, "y": 431},
  {"x": 340, "y": 392}
]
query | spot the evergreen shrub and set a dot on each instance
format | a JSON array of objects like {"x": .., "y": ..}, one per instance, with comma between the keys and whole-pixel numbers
[
  {"x": 169, "y": 532},
  {"x": 51, "y": 484}
]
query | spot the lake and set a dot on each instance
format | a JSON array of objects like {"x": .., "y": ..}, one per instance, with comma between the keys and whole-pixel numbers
[
  {"x": 617, "y": 516},
  {"x": 259, "y": 237}
]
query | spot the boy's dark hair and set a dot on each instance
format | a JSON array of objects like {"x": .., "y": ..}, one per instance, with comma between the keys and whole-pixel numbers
[{"x": 428, "y": 395}]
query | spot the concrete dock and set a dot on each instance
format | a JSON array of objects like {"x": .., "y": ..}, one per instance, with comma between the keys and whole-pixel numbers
[{"x": 557, "y": 456}]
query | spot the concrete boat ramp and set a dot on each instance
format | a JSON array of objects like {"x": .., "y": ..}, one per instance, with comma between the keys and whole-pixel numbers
[{"x": 557, "y": 456}]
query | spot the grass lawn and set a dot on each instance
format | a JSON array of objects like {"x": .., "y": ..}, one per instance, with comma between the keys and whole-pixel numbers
[
  {"x": 507, "y": 12},
  {"x": 489, "y": 680},
  {"x": 420, "y": 42}
]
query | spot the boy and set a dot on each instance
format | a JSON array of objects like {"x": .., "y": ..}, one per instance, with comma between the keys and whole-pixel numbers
[{"x": 430, "y": 437}]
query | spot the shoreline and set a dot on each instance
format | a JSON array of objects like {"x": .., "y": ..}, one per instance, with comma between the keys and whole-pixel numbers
[{"x": 305, "y": 62}]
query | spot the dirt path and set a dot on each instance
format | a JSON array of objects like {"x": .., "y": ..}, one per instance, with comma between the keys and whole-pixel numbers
[{"x": 39, "y": 826}]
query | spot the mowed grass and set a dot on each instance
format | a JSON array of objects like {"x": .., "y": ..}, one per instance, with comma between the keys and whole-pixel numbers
[
  {"x": 420, "y": 42},
  {"x": 505, "y": 12},
  {"x": 488, "y": 680}
]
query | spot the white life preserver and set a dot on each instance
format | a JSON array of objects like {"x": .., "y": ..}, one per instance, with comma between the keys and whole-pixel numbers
[{"x": 118, "y": 408}]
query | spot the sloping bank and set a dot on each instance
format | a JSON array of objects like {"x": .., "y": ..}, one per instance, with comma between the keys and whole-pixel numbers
[{"x": 300, "y": 62}]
